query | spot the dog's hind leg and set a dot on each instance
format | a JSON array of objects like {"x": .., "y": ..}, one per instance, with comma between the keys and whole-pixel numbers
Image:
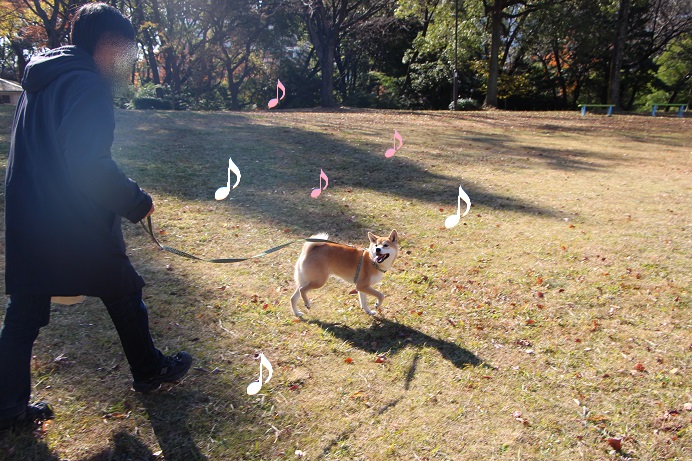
[
  {"x": 304, "y": 291},
  {"x": 294, "y": 303}
]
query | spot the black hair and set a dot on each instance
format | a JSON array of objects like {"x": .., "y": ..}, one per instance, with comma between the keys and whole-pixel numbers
[{"x": 95, "y": 21}]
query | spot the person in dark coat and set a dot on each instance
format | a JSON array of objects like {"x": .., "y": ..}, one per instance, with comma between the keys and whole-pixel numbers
[{"x": 64, "y": 199}]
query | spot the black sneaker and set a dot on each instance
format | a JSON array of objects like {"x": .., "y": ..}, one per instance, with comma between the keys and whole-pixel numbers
[
  {"x": 34, "y": 414},
  {"x": 174, "y": 368}
]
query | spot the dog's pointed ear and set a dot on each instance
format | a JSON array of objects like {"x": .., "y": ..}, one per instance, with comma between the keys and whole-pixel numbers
[
  {"x": 372, "y": 237},
  {"x": 393, "y": 236}
]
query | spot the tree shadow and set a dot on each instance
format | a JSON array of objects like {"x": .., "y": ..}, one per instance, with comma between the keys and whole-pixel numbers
[
  {"x": 187, "y": 157},
  {"x": 169, "y": 417},
  {"x": 387, "y": 336}
]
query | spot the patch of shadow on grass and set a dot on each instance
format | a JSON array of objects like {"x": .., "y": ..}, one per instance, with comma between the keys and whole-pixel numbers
[
  {"x": 168, "y": 414},
  {"x": 386, "y": 336},
  {"x": 125, "y": 447},
  {"x": 24, "y": 447},
  {"x": 565, "y": 159},
  {"x": 280, "y": 165}
]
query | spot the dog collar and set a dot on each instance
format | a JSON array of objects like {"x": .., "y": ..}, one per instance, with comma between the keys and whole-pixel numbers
[{"x": 378, "y": 267}]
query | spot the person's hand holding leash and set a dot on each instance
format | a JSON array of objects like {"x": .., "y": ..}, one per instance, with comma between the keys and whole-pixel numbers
[{"x": 151, "y": 212}]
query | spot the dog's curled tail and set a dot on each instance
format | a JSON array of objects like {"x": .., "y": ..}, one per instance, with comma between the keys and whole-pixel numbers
[{"x": 321, "y": 236}]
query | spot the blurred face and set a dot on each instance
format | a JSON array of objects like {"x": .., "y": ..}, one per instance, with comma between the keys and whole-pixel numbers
[{"x": 114, "y": 58}]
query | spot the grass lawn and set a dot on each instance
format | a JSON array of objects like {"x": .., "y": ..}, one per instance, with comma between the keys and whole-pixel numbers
[{"x": 555, "y": 316}]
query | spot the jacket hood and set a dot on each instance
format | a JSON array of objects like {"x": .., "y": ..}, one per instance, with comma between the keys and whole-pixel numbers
[{"x": 46, "y": 67}]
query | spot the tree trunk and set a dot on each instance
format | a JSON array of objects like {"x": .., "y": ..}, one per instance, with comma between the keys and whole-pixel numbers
[
  {"x": 234, "y": 88},
  {"x": 494, "y": 68},
  {"x": 326, "y": 57},
  {"x": 153, "y": 63},
  {"x": 18, "y": 49},
  {"x": 560, "y": 75},
  {"x": 618, "y": 52}
]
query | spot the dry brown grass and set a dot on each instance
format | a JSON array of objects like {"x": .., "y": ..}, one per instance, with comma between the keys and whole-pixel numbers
[{"x": 555, "y": 316}]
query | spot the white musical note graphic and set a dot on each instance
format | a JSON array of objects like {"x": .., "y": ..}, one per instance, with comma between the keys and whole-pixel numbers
[
  {"x": 222, "y": 192},
  {"x": 255, "y": 386},
  {"x": 453, "y": 220}
]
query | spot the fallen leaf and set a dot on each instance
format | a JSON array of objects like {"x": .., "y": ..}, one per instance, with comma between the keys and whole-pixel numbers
[
  {"x": 616, "y": 444},
  {"x": 517, "y": 415},
  {"x": 348, "y": 360}
]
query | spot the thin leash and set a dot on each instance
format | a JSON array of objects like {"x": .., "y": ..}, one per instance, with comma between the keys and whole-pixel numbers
[{"x": 149, "y": 230}]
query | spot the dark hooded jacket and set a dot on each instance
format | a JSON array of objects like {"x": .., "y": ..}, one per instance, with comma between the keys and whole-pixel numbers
[{"x": 64, "y": 194}]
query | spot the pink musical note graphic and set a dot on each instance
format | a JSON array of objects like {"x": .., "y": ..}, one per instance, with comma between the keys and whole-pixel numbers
[
  {"x": 391, "y": 151},
  {"x": 318, "y": 190},
  {"x": 275, "y": 102}
]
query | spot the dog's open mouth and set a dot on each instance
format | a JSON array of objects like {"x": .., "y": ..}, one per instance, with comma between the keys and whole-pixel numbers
[{"x": 379, "y": 259}]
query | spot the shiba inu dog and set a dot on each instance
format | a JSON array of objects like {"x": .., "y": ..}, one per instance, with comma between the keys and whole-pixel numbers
[{"x": 365, "y": 268}]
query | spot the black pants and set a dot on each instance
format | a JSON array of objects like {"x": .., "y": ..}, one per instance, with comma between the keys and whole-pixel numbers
[{"x": 26, "y": 314}]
